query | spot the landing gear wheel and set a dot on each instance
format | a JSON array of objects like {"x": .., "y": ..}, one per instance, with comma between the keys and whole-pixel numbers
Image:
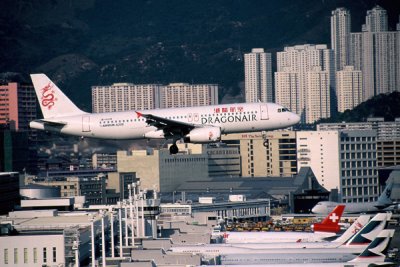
[{"x": 173, "y": 149}]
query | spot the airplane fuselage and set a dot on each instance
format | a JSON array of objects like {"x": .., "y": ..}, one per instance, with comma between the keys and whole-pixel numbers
[
  {"x": 287, "y": 257},
  {"x": 325, "y": 207},
  {"x": 266, "y": 251},
  {"x": 231, "y": 118},
  {"x": 275, "y": 237}
]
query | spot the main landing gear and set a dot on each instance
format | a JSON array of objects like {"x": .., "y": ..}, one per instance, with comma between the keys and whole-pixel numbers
[{"x": 173, "y": 149}]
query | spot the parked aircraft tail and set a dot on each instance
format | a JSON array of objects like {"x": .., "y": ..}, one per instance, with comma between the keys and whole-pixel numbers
[
  {"x": 377, "y": 249},
  {"x": 384, "y": 199},
  {"x": 357, "y": 225},
  {"x": 331, "y": 222},
  {"x": 52, "y": 100},
  {"x": 371, "y": 230}
]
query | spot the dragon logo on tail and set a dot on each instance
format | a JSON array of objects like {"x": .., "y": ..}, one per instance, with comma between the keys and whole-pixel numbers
[{"x": 48, "y": 98}]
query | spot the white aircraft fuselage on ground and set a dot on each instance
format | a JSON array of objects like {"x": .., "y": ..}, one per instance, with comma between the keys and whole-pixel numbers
[
  {"x": 192, "y": 124},
  {"x": 372, "y": 255},
  {"x": 352, "y": 241},
  {"x": 384, "y": 203},
  {"x": 311, "y": 256}
]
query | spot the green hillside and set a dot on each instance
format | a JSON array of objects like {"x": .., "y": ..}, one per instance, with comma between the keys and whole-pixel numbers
[{"x": 384, "y": 105}]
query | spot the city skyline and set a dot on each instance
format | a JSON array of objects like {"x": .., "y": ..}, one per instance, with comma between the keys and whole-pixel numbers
[
  {"x": 208, "y": 162},
  {"x": 78, "y": 65},
  {"x": 374, "y": 52}
]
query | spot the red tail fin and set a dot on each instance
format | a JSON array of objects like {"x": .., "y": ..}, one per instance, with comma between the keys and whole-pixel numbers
[{"x": 331, "y": 222}]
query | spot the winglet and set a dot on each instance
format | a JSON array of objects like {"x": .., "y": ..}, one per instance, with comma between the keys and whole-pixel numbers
[
  {"x": 331, "y": 222},
  {"x": 139, "y": 114}
]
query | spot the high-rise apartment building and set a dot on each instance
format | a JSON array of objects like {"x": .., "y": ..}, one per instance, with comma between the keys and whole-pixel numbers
[
  {"x": 376, "y": 52},
  {"x": 258, "y": 76},
  {"x": 281, "y": 153},
  {"x": 340, "y": 34},
  {"x": 342, "y": 159},
  {"x": 288, "y": 94},
  {"x": 265, "y": 154},
  {"x": 159, "y": 170},
  {"x": 318, "y": 96},
  {"x": 387, "y": 139},
  {"x": 253, "y": 153},
  {"x": 126, "y": 96},
  {"x": 17, "y": 141},
  {"x": 376, "y": 20},
  {"x": 358, "y": 173},
  {"x": 320, "y": 151},
  {"x": 298, "y": 67},
  {"x": 177, "y": 95},
  {"x": 17, "y": 106},
  {"x": 348, "y": 88}
]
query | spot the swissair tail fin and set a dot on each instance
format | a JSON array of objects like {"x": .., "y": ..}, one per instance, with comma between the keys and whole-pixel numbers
[
  {"x": 371, "y": 230},
  {"x": 353, "y": 229},
  {"x": 376, "y": 250},
  {"x": 52, "y": 100},
  {"x": 331, "y": 222}
]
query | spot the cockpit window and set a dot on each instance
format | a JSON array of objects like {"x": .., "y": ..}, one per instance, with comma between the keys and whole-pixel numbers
[{"x": 283, "y": 110}]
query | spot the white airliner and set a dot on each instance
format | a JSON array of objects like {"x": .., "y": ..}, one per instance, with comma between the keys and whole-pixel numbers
[
  {"x": 301, "y": 256},
  {"x": 383, "y": 203},
  {"x": 194, "y": 124},
  {"x": 373, "y": 255},
  {"x": 352, "y": 241}
]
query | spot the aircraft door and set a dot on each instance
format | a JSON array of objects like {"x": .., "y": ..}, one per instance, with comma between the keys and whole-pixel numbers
[
  {"x": 264, "y": 112},
  {"x": 85, "y": 124}
]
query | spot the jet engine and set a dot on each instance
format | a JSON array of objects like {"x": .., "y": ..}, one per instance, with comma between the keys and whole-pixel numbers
[{"x": 203, "y": 135}]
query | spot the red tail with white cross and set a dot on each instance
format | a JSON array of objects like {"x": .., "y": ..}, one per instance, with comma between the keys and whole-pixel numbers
[{"x": 331, "y": 222}]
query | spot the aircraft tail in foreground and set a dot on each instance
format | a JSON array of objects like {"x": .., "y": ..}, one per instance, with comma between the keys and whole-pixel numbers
[
  {"x": 370, "y": 231},
  {"x": 357, "y": 225},
  {"x": 377, "y": 249},
  {"x": 331, "y": 222}
]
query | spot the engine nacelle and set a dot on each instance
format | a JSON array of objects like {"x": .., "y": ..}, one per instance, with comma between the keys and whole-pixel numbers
[
  {"x": 203, "y": 135},
  {"x": 155, "y": 134}
]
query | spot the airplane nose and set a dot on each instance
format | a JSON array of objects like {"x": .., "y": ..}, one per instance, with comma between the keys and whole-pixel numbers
[
  {"x": 316, "y": 209},
  {"x": 313, "y": 210},
  {"x": 296, "y": 118}
]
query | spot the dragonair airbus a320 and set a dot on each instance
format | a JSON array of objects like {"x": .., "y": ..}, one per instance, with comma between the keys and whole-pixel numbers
[{"x": 194, "y": 124}]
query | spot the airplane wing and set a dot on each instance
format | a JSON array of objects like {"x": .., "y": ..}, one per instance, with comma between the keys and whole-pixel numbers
[{"x": 169, "y": 127}]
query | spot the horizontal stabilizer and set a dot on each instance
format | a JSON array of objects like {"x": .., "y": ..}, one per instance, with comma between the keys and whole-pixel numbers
[
  {"x": 53, "y": 123},
  {"x": 45, "y": 124}
]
